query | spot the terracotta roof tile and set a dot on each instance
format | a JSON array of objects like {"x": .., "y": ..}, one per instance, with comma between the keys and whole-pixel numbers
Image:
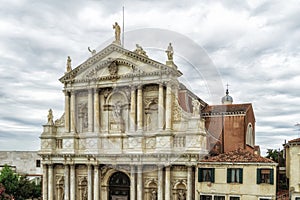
[
  {"x": 295, "y": 140},
  {"x": 238, "y": 156},
  {"x": 227, "y": 108}
]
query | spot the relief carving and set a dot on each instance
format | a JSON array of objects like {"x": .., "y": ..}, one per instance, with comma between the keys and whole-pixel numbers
[{"x": 113, "y": 68}]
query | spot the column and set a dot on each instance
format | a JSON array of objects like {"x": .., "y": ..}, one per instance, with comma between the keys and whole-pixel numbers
[
  {"x": 190, "y": 183},
  {"x": 90, "y": 182},
  {"x": 140, "y": 108},
  {"x": 132, "y": 109},
  {"x": 169, "y": 107},
  {"x": 67, "y": 183},
  {"x": 168, "y": 183},
  {"x": 160, "y": 107},
  {"x": 67, "y": 111},
  {"x": 90, "y": 110},
  {"x": 72, "y": 111},
  {"x": 140, "y": 182},
  {"x": 96, "y": 182},
  {"x": 45, "y": 182},
  {"x": 160, "y": 183},
  {"x": 96, "y": 111},
  {"x": 72, "y": 183},
  {"x": 132, "y": 183},
  {"x": 50, "y": 182}
]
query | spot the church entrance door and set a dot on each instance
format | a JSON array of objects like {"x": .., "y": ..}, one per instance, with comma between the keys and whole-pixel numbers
[{"x": 119, "y": 187}]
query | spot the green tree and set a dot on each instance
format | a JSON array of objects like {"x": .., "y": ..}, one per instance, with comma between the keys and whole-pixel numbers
[
  {"x": 18, "y": 186},
  {"x": 9, "y": 180},
  {"x": 276, "y": 156}
]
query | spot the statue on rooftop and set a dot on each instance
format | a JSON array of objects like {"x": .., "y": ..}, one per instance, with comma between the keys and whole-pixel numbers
[
  {"x": 50, "y": 117},
  {"x": 93, "y": 52},
  {"x": 140, "y": 50},
  {"x": 170, "y": 52},
  {"x": 117, "y": 33},
  {"x": 69, "y": 66}
]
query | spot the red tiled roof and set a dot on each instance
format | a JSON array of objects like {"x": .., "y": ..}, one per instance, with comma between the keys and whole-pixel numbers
[
  {"x": 295, "y": 140},
  {"x": 227, "y": 108},
  {"x": 239, "y": 156}
]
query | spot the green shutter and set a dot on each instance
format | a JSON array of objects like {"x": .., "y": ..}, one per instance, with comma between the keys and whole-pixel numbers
[
  {"x": 212, "y": 175},
  {"x": 258, "y": 180},
  {"x": 271, "y": 176},
  {"x": 228, "y": 175},
  {"x": 241, "y": 175},
  {"x": 200, "y": 175}
]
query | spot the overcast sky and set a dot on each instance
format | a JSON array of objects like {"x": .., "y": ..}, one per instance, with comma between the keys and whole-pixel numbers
[{"x": 253, "y": 44}]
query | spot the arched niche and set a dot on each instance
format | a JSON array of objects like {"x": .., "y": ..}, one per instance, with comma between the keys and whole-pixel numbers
[
  {"x": 250, "y": 135},
  {"x": 117, "y": 103}
]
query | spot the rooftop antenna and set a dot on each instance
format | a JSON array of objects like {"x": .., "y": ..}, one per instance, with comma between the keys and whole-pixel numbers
[{"x": 123, "y": 29}]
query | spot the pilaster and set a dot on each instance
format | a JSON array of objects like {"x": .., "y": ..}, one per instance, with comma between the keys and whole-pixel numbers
[
  {"x": 90, "y": 110},
  {"x": 45, "y": 182},
  {"x": 96, "y": 111},
  {"x": 140, "y": 108},
  {"x": 67, "y": 111}
]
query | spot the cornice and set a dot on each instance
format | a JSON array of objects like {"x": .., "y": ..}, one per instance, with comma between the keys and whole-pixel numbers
[{"x": 69, "y": 77}]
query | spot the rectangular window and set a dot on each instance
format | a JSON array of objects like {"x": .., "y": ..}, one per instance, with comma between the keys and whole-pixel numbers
[
  {"x": 59, "y": 143},
  {"x": 297, "y": 198},
  {"x": 205, "y": 197},
  {"x": 206, "y": 175},
  {"x": 38, "y": 163},
  {"x": 265, "y": 176},
  {"x": 234, "y": 198},
  {"x": 219, "y": 197},
  {"x": 234, "y": 175}
]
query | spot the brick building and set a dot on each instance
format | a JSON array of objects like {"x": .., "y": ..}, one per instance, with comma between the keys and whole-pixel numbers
[{"x": 229, "y": 126}]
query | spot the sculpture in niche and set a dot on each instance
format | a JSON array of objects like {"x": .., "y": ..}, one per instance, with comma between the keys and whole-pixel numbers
[
  {"x": 117, "y": 112},
  {"x": 181, "y": 195},
  {"x": 170, "y": 52},
  {"x": 83, "y": 116},
  {"x": 153, "y": 195}
]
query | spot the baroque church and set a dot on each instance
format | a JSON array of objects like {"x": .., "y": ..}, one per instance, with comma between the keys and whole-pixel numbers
[{"x": 130, "y": 130}]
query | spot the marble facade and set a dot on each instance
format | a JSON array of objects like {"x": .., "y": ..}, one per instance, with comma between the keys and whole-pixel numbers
[{"x": 124, "y": 134}]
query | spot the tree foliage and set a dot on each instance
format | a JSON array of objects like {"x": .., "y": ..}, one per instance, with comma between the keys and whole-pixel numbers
[
  {"x": 276, "y": 156},
  {"x": 16, "y": 186}
]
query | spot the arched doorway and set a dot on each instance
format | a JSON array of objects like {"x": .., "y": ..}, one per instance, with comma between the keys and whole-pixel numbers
[{"x": 119, "y": 187}]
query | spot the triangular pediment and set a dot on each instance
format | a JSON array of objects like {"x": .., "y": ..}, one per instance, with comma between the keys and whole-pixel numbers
[{"x": 115, "y": 62}]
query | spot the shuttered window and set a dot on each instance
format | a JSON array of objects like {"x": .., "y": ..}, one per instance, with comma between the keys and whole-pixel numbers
[
  {"x": 206, "y": 175},
  {"x": 234, "y": 175},
  {"x": 265, "y": 176}
]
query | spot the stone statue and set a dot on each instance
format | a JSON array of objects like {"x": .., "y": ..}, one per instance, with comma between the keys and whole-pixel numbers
[
  {"x": 85, "y": 196},
  {"x": 181, "y": 195},
  {"x": 93, "y": 52},
  {"x": 196, "y": 107},
  {"x": 140, "y": 50},
  {"x": 170, "y": 52},
  {"x": 50, "y": 117},
  {"x": 69, "y": 67},
  {"x": 117, "y": 33},
  {"x": 153, "y": 195},
  {"x": 117, "y": 111}
]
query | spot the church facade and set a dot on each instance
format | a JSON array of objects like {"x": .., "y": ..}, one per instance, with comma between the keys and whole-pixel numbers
[{"x": 130, "y": 130}]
